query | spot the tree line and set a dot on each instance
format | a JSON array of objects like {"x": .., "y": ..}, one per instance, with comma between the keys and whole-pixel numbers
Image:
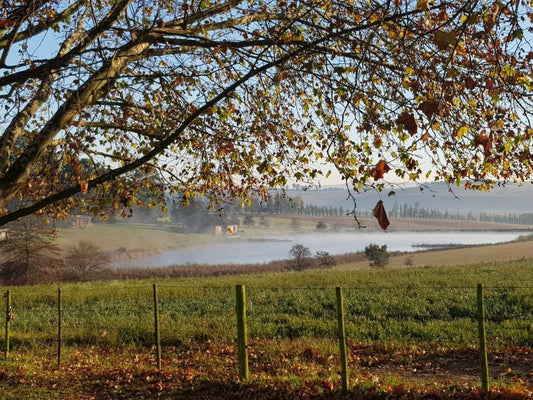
[
  {"x": 295, "y": 206},
  {"x": 196, "y": 214}
]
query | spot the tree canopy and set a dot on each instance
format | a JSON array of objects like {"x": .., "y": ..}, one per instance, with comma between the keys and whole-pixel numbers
[{"x": 222, "y": 98}]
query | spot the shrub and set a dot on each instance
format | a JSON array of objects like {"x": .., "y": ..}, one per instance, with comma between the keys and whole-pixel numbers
[
  {"x": 325, "y": 260},
  {"x": 300, "y": 257},
  {"x": 378, "y": 255},
  {"x": 321, "y": 225},
  {"x": 84, "y": 261}
]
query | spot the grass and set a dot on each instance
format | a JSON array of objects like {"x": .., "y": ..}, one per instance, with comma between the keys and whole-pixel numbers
[
  {"x": 110, "y": 237},
  {"x": 433, "y": 305},
  {"x": 411, "y": 333}
]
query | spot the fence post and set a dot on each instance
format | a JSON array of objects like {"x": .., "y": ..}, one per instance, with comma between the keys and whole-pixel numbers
[
  {"x": 9, "y": 317},
  {"x": 156, "y": 331},
  {"x": 342, "y": 340},
  {"x": 59, "y": 324},
  {"x": 242, "y": 340},
  {"x": 482, "y": 340}
]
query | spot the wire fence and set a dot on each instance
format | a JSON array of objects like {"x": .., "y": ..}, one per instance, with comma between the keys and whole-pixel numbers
[{"x": 124, "y": 315}]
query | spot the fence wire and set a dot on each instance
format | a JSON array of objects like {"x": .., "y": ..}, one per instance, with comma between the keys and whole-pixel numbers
[{"x": 124, "y": 315}]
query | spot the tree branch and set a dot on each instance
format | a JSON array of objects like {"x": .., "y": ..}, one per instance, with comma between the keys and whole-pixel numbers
[{"x": 165, "y": 143}]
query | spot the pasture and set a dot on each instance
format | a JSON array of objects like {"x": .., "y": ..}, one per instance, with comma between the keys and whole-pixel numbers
[{"x": 409, "y": 329}]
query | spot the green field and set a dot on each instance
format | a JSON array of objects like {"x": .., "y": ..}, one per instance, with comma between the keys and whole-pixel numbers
[
  {"x": 392, "y": 316},
  {"x": 421, "y": 304}
]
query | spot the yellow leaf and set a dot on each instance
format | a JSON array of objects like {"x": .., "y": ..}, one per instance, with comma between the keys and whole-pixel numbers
[
  {"x": 409, "y": 71},
  {"x": 463, "y": 130},
  {"x": 422, "y": 5}
]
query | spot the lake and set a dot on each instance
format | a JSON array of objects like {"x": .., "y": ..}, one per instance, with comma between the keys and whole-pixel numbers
[{"x": 242, "y": 251}]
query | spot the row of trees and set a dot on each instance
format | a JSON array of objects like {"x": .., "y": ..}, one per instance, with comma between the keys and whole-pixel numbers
[
  {"x": 197, "y": 217},
  {"x": 295, "y": 206},
  {"x": 416, "y": 211}
]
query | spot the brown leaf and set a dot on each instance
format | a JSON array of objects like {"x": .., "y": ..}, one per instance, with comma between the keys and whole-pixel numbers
[
  {"x": 84, "y": 187},
  {"x": 429, "y": 108},
  {"x": 381, "y": 169},
  {"x": 470, "y": 83},
  {"x": 408, "y": 121},
  {"x": 411, "y": 164},
  {"x": 485, "y": 141},
  {"x": 283, "y": 75},
  {"x": 481, "y": 139},
  {"x": 443, "y": 40},
  {"x": 6, "y": 23},
  {"x": 381, "y": 215}
]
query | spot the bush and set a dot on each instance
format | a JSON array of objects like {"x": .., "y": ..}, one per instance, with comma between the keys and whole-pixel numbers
[
  {"x": 84, "y": 261},
  {"x": 378, "y": 255},
  {"x": 325, "y": 260},
  {"x": 300, "y": 257},
  {"x": 321, "y": 226}
]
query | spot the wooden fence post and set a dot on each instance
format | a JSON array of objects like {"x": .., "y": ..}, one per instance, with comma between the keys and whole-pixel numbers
[
  {"x": 156, "y": 329},
  {"x": 342, "y": 340},
  {"x": 482, "y": 340},
  {"x": 59, "y": 324},
  {"x": 9, "y": 317},
  {"x": 242, "y": 339}
]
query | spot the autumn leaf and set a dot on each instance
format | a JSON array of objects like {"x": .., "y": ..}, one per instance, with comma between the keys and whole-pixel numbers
[
  {"x": 408, "y": 121},
  {"x": 443, "y": 40},
  {"x": 6, "y": 23},
  {"x": 380, "y": 170},
  {"x": 485, "y": 141},
  {"x": 463, "y": 130},
  {"x": 411, "y": 164},
  {"x": 422, "y": 5},
  {"x": 84, "y": 187},
  {"x": 381, "y": 215},
  {"x": 470, "y": 83},
  {"x": 429, "y": 108}
]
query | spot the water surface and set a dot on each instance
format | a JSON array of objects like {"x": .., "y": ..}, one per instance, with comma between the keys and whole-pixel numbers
[{"x": 242, "y": 251}]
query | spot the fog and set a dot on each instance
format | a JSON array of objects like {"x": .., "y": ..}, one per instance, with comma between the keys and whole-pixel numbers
[{"x": 242, "y": 251}]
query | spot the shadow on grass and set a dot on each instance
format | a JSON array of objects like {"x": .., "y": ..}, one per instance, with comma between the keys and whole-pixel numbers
[{"x": 264, "y": 391}]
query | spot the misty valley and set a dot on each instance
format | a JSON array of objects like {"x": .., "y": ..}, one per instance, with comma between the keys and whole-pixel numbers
[{"x": 244, "y": 251}]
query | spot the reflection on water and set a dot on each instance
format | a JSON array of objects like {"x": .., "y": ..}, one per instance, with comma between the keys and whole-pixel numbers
[{"x": 242, "y": 251}]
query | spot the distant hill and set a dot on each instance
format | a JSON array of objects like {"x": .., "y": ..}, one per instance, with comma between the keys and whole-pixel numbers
[{"x": 508, "y": 199}]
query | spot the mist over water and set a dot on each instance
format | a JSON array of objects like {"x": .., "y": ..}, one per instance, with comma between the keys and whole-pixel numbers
[{"x": 243, "y": 251}]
